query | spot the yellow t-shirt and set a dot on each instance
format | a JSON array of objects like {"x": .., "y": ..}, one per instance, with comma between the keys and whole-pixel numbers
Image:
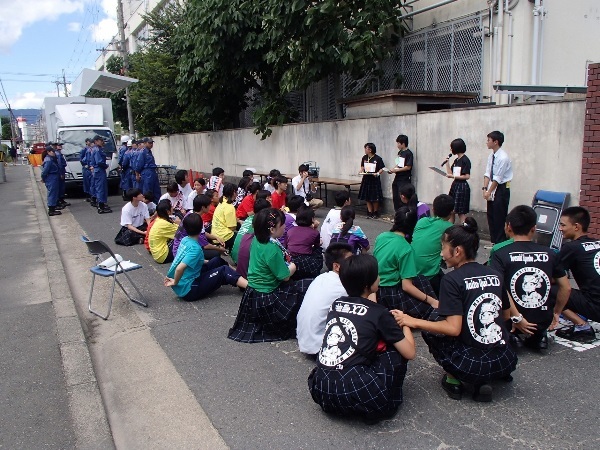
[
  {"x": 160, "y": 233},
  {"x": 223, "y": 219}
]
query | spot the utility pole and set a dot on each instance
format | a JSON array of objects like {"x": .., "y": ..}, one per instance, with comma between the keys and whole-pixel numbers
[
  {"x": 65, "y": 83},
  {"x": 125, "y": 55}
]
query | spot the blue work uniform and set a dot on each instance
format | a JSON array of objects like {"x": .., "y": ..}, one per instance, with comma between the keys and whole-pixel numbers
[
  {"x": 124, "y": 184},
  {"x": 85, "y": 171},
  {"x": 51, "y": 176},
  {"x": 98, "y": 163},
  {"x": 125, "y": 162},
  {"x": 62, "y": 165},
  {"x": 146, "y": 167}
]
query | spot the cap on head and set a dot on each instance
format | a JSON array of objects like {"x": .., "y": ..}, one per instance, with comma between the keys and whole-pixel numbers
[
  {"x": 98, "y": 138},
  {"x": 130, "y": 142},
  {"x": 147, "y": 140},
  {"x": 49, "y": 148},
  {"x": 124, "y": 139},
  {"x": 88, "y": 140}
]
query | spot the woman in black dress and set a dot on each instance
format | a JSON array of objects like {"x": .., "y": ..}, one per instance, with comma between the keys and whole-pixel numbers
[
  {"x": 460, "y": 171},
  {"x": 370, "y": 187}
]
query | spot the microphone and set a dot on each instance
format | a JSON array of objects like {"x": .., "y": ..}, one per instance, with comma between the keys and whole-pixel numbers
[{"x": 449, "y": 156}]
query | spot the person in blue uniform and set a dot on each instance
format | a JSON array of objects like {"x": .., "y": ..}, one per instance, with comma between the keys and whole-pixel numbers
[
  {"x": 85, "y": 171},
  {"x": 124, "y": 184},
  {"x": 126, "y": 170},
  {"x": 146, "y": 167},
  {"x": 62, "y": 165},
  {"x": 51, "y": 176},
  {"x": 98, "y": 167}
]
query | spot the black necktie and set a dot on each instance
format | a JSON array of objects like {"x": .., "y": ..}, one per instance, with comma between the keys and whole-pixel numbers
[{"x": 492, "y": 169}]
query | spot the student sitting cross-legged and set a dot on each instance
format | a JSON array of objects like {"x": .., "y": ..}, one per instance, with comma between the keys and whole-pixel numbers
[
  {"x": 190, "y": 276},
  {"x": 162, "y": 232},
  {"x": 134, "y": 219},
  {"x": 467, "y": 335},
  {"x": 363, "y": 357}
]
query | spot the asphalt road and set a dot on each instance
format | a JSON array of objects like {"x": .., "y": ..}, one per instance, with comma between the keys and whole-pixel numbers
[{"x": 256, "y": 394}]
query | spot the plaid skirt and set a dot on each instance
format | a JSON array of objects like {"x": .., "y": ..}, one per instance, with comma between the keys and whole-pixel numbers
[
  {"x": 461, "y": 193},
  {"x": 268, "y": 317},
  {"x": 308, "y": 266},
  {"x": 362, "y": 390},
  {"x": 393, "y": 297},
  {"x": 470, "y": 364},
  {"x": 370, "y": 189}
]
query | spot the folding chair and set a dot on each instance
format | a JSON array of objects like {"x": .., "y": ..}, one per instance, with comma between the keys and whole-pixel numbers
[
  {"x": 548, "y": 206},
  {"x": 98, "y": 248}
]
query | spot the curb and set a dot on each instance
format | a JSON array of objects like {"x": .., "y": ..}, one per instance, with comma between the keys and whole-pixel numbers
[{"x": 90, "y": 422}]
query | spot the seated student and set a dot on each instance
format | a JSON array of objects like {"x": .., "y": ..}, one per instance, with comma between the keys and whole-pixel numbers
[
  {"x": 216, "y": 181},
  {"x": 214, "y": 201},
  {"x": 581, "y": 256},
  {"x": 246, "y": 228},
  {"x": 175, "y": 196},
  {"x": 427, "y": 240},
  {"x": 242, "y": 188},
  {"x": 224, "y": 223},
  {"x": 342, "y": 198},
  {"x": 469, "y": 338},
  {"x": 246, "y": 206},
  {"x": 408, "y": 197},
  {"x": 322, "y": 292},
  {"x": 183, "y": 183},
  {"x": 199, "y": 189},
  {"x": 134, "y": 219},
  {"x": 294, "y": 203},
  {"x": 200, "y": 206},
  {"x": 149, "y": 201},
  {"x": 279, "y": 196},
  {"x": 304, "y": 244},
  {"x": 527, "y": 270},
  {"x": 271, "y": 301},
  {"x": 346, "y": 231},
  {"x": 190, "y": 276},
  {"x": 162, "y": 232},
  {"x": 363, "y": 358},
  {"x": 400, "y": 286},
  {"x": 303, "y": 187},
  {"x": 270, "y": 179}
]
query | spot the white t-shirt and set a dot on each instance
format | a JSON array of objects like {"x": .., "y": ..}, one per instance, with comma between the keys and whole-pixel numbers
[
  {"x": 303, "y": 189},
  {"x": 332, "y": 219},
  {"x": 134, "y": 215},
  {"x": 321, "y": 293},
  {"x": 186, "y": 191},
  {"x": 269, "y": 188}
]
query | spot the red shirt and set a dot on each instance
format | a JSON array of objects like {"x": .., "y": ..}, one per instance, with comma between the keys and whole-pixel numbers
[
  {"x": 245, "y": 207},
  {"x": 278, "y": 200},
  {"x": 207, "y": 217}
]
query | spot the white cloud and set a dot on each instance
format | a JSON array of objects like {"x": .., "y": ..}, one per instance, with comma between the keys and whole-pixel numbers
[
  {"x": 105, "y": 30},
  {"x": 74, "y": 26},
  {"x": 30, "y": 99}
]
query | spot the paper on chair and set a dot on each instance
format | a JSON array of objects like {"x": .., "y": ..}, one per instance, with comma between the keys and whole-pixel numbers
[
  {"x": 110, "y": 262},
  {"x": 124, "y": 265}
]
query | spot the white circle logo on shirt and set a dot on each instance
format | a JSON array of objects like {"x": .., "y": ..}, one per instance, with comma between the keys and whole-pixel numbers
[
  {"x": 331, "y": 354},
  {"x": 481, "y": 319},
  {"x": 597, "y": 262},
  {"x": 530, "y": 287}
]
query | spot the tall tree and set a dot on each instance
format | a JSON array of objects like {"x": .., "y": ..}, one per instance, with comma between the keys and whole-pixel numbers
[{"x": 6, "y": 130}]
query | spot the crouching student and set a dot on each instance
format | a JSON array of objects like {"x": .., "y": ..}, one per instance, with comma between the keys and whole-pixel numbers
[
  {"x": 469, "y": 339},
  {"x": 363, "y": 358},
  {"x": 528, "y": 271},
  {"x": 134, "y": 219},
  {"x": 400, "y": 286},
  {"x": 190, "y": 276},
  {"x": 321, "y": 293},
  {"x": 271, "y": 302}
]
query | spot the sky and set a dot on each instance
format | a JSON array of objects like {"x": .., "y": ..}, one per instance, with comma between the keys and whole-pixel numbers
[{"x": 41, "y": 38}]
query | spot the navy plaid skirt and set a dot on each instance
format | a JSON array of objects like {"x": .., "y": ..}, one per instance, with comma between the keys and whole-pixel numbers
[
  {"x": 268, "y": 317},
  {"x": 370, "y": 189},
  {"x": 374, "y": 390},
  {"x": 308, "y": 266},
  {"x": 461, "y": 193},
  {"x": 393, "y": 297},
  {"x": 470, "y": 364}
]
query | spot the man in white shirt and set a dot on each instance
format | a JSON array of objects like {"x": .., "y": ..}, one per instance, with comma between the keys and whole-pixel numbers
[
  {"x": 496, "y": 186},
  {"x": 134, "y": 219},
  {"x": 342, "y": 198},
  {"x": 322, "y": 292},
  {"x": 302, "y": 186}
]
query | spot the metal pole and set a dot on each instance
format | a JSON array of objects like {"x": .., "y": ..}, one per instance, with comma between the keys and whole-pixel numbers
[
  {"x": 125, "y": 55},
  {"x": 427, "y": 8}
]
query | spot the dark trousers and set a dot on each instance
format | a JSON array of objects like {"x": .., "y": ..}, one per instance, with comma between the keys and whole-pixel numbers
[
  {"x": 212, "y": 278},
  {"x": 396, "y": 185},
  {"x": 497, "y": 212}
]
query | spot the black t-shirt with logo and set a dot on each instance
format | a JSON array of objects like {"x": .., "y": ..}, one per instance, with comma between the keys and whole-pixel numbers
[
  {"x": 474, "y": 292},
  {"x": 365, "y": 323},
  {"x": 582, "y": 258},
  {"x": 527, "y": 269},
  {"x": 408, "y": 161}
]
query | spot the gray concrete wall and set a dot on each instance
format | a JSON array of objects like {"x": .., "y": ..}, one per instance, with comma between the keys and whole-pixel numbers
[{"x": 543, "y": 140}]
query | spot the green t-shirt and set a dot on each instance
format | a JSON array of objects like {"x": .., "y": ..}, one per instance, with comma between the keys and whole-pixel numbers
[
  {"x": 395, "y": 258},
  {"x": 267, "y": 267},
  {"x": 427, "y": 244},
  {"x": 245, "y": 228},
  {"x": 497, "y": 247}
]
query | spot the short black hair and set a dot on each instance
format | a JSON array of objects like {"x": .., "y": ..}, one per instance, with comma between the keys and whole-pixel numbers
[
  {"x": 357, "y": 273},
  {"x": 172, "y": 187},
  {"x": 247, "y": 173},
  {"x": 180, "y": 176},
  {"x": 202, "y": 181},
  {"x": 278, "y": 180},
  {"x": 578, "y": 214},
  {"x": 263, "y": 193},
  {"x": 163, "y": 209},
  {"x": 131, "y": 193},
  {"x": 405, "y": 220},
  {"x": 522, "y": 219},
  {"x": 465, "y": 236},
  {"x": 336, "y": 253},
  {"x": 458, "y": 146},
  {"x": 192, "y": 224},
  {"x": 253, "y": 187},
  {"x": 305, "y": 216},
  {"x": 264, "y": 220},
  {"x": 201, "y": 201},
  {"x": 295, "y": 202},
  {"x": 260, "y": 204},
  {"x": 341, "y": 197},
  {"x": 149, "y": 195},
  {"x": 402, "y": 139},
  {"x": 371, "y": 147},
  {"x": 229, "y": 190},
  {"x": 443, "y": 205},
  {"x": 303, "y": 168},
  {"x": 217, "y": 171},
  {"x": 497, "y": 136}
]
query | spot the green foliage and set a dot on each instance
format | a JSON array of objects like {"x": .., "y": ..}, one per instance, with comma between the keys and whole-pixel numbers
[{"x": 6, "y": 131}]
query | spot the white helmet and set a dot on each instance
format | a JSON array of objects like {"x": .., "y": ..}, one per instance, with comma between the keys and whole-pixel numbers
[{"x": 124, "y": 139}]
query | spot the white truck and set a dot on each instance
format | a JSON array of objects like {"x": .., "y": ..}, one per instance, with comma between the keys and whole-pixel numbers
[{"x": 70, "y": 120}]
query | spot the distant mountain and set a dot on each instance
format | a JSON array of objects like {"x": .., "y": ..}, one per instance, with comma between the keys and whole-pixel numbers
[{"x": 30, "y": 114}]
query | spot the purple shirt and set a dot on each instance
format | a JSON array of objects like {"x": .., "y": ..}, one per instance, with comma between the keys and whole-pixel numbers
[
  {"x": 181, "y": 233},
  {"x": 244, "y": 255},
  {"x": 301, "y": 240}
]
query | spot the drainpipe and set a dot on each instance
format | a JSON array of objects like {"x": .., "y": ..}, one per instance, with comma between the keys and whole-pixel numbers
[
  {"x": 541, "y": 55},
  {"x": 491, "y": 4},
  {"x": 536, "y": 38},
  {"x": 510, "y": 45},
  {"x": 498, "y": 33}
]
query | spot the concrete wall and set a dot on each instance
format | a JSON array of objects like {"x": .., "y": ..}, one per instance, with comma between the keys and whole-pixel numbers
[{"x": 544, "y": 141}]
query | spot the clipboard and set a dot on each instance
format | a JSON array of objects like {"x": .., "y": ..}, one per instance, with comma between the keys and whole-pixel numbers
[{"x": 438, "y": 170}]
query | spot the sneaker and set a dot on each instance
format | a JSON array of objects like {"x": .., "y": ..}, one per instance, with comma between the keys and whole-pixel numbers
[
  {"x": 483, "y": 393},
  {"x": 584, "y": 336},
  {"x": 59, "y": 207},
  {"x": 536, "y": 343},
  {"x": 54, "y": 213},
  {"x": 104, "y": 210},
  {"x": 64, "y": 203},
  {"x": 376, "y": 215},
  {"x": 454, "y": 391},
  {"x": 370, "y": 216},
  {"x": 93, "y": 204},
  {"x": 87, "y": 199}
]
